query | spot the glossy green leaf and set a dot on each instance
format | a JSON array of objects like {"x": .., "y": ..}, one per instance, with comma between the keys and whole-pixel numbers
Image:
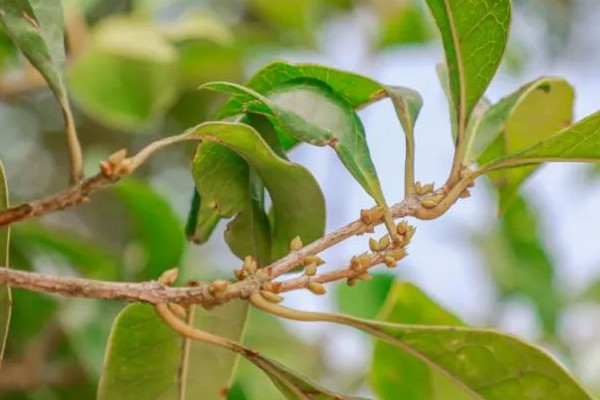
[
  {"x": 5, "y": 293},
  {"x": 156, "y": 227},
  {"x": 357, "y": 91},
  {"x": 366, "y": 298},
  {"x": 311, "y": 112},
  {"x": 531, "y": 114},
  {"x": 142, "y": 358},
  {"x": 474, "y": 34},
  {"x": 393, "y": 371},
  {"x": 146, "y": 359},
  {"x": 133, "y": 67},
  {"x": 298, "y": 204},
  {"x": 521, "y": 265}
]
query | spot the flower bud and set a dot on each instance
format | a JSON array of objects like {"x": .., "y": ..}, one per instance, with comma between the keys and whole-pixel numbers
[
  {"x": 296, "y": 244},
  {"x": 317, "y": 288}
]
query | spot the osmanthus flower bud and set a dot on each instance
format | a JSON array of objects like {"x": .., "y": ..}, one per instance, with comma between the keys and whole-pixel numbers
[
  {"x": 296, "y": 244},
  {"x": 428, "y": 188},
  {"x": 316, "y": 288},
  {"x": 270, "y": 296},
  {"x": 169, "y": 276},
  {"x": 384, "y": 242},
  {"x": 389, "y": 262},
  {"x": 250, "y": 264},
  {"x": 313, "y": 260},
  {"x": 310, "y": 269},
  {"x": 373, "y": 245},
  {"x": 429, "y": 203},
  {"x": 240, "y": 274},
  {"x": 218, "y": 286}
]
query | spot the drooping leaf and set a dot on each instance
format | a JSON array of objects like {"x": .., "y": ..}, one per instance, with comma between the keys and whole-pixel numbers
[
  {"x": 142, "y": 358},
  {"x": 395, "y": 372},
  {"x": 470, "y": 29},
  {"x": 37, "y": 28},
  {"x": 520, "y": 264},
  {"x": 156, "y": 226},
  {"x": 133, "y": 67},
  {"x": 357, "y": 91},
  {"x": 311, "y": 112},
  {"x": 298, "y": 203},
  {"x": 531, "y": 114},
  {"x": 5, "y": 294},
  {"x": 366, "y": 298}
]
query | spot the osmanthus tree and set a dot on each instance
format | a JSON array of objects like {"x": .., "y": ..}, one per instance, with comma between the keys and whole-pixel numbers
[{"x": 183, "y": 341}]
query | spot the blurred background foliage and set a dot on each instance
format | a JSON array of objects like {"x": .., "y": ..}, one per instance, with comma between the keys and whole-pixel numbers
[{"x": 133, "y": 70}]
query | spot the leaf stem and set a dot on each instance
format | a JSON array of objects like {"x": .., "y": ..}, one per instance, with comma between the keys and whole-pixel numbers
[{"x": 73, "y": 144}]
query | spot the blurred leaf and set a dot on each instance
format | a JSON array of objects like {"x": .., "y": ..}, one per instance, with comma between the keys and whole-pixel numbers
[
  {"x": 143, "y": 357},
  {"x": 524, "y": 118},
  {"x": 192, "y": 27},
  {"x": 298, "y": 203},
  {"x": 133, "y": 68},
  {"x": 156, "y": 226},
  {"x": 146, "y": 359},
  {"x": 467, "y": 29},
  {"x": 5, "y": 294},
  {"x": 520, "y": 264},
  {"x": 366, "y": 298},
  {"x": 579, "y": 142},
  {"x": 295, "y": 20},
  {"x": 592, "y": 292},
  {"x": 395, "y": 372},
  {"x": 87, "y": 257},
  {"x": 401, "y": 22},
  {"x": 210, "y": 369}
]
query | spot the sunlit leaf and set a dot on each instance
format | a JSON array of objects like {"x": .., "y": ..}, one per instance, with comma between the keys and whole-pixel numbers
[
  {"x": 5, "y": 294},
  {"x": 133, "y": 67},
  {"x": 393, "y": 371},
  {"x": 531, "y": 114},
  {"x": 298, "y": 204},
  {"x": 156, "y": 227},
  {"x": 578, "y": 143},
  {"x": 470, "y": 29}
]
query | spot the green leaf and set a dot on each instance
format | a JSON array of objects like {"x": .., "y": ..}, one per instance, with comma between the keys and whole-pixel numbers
[
  {"x": 133, "y": 67},
  {"x": 298, "y": 204},
  {"x": 395, "y": 372},
  {"x": 86, "y": 257},
  {"x": 474, "y": 34},
  {"x": 311, "y": 112},
  {"x": 5, "y": 294},
  {"x": 366, "y": 298},
  {"x": 142, "y": 358},
  {"x": 146, "y": 359},
  {"x": 293, "y": 385},
  {"x": 295, "y": 19},
  {"x": 156, "y": 226},
  {"x": 520, "y": 264},
  {"x": 210, "y": 369},
  {"x": 531, "y": 114},
  {"x": 37, "y": 28}
]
